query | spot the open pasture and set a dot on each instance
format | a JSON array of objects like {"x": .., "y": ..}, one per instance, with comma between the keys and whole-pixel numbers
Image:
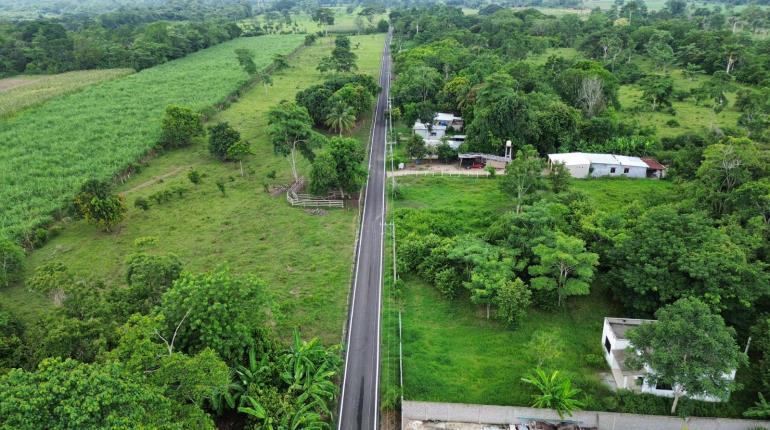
[{"x": 48, "y": 151}]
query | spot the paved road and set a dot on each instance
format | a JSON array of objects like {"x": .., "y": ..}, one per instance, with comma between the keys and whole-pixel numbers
[{"x": 359, "y": 403}]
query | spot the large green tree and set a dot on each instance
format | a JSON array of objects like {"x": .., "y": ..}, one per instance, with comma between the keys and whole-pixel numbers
[
  {"x": 564, "y": 266},
  {"x": 689, "y": 348},
  {"x": 290, "y": 129},
  {"x": 213, "y": 310},
  {"x": 341, "y": 167},
  {"x": 72, "y": 395},
  {"x": 669, "y": 252}
]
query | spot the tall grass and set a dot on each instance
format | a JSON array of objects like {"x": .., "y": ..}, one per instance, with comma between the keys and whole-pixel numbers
[
  {"x": 46, "y": 152},
  {"x": 37, "y": 89}
]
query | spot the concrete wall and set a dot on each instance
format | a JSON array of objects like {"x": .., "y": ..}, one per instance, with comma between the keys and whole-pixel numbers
[
  {"x": 486, "y": 414},
  {"x": 578, "y": 170},
  {"x": 601, "y": 170}
]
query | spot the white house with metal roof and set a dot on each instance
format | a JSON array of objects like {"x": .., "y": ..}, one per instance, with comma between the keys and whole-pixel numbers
[{"x": 585, "y": 164}]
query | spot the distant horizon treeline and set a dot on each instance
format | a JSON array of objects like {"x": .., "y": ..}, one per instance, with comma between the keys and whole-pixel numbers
[{"x": 114, "y": 40}]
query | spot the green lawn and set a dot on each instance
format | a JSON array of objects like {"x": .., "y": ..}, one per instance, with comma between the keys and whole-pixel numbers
[
  {"x": 452, "y": 352},
  {"x": 305, "y": 258}
]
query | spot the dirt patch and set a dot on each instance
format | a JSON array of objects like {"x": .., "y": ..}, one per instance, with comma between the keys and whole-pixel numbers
[
  {"x": 156, "y": 179},
  {"x": 9, "y": 83},
  {"x": 316, "y": 212},
  {"x": 276, "y": 190}
]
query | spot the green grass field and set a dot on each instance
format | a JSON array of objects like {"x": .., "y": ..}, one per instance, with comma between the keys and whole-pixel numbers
[
  {"x": 451, "y": 352},
  {"x": 96, "y": 133},
  {"x": 343, "y": 22},
  {"x": 691, "y": 118},
  {"x": 304, "y": 258},
  {"x": 21, "y": 92}
]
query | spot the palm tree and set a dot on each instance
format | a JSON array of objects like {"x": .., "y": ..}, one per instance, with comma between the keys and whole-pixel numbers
[
  {"x": 555, "y": 392},
  {"x": 341, "y": 117}
]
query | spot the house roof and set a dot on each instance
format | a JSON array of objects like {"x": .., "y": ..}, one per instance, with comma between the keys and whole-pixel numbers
[
  {"x": 654, "y": 164},
  {"x": 585, "y": 158},
  {"x": 441, "y": 116},
  {"x": 620, "y": 326},
  {"x": 484, "y": 156},
  {"x": 630, "y": 161},
  {"x": 570, "y": 158},
  {"x": 419, "y": 126}
]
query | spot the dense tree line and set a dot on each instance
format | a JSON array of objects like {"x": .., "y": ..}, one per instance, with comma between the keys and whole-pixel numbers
[
  {"x": 112, "y": 40},
  {"x": 167, "y": 349},
  {"x": 473, "y": 65},
  {"x": 700, "y": 249}
]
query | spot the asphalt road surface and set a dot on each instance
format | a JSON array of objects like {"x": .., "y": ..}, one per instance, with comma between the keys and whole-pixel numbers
[{"x": 359, "y": 403}]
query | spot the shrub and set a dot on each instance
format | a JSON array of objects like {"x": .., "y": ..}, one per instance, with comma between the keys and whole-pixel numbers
[
  {"x": 152, "y": 270},
  {"x": 194, "y": 176},
  {"x": 221, "y": 138},
  {"x": 672, "y": 123},
  {"x": 50, "y": 277},
  {"x": 310, "y": 39},
  {"x": 141, "y": 203},
  {"x": 11, "y": 261},
  {"x": 221, "y": 187},
  {"x": 180, "y": 125},
  {"x": 146, "y": 241},
  {"x": 97, "y": 205},
  {"x": 492, "y": 172},
  {"x": 448, "y": 281}
]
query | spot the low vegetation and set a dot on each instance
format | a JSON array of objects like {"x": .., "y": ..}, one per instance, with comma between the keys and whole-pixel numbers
[
  {"x": 18, "y": 93},
  {"x": 77, "y": 137}
]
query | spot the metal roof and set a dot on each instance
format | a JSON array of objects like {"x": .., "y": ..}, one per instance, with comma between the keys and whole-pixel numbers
[
  {"x": 630, "y": 161},
  {"x": 441, "y": 116},
  {"x": 570, "y": 158},
  {"x": 484, "y": 156},
  {"x": 654, "y": 164},
  {"x": 586, "y": 158}
]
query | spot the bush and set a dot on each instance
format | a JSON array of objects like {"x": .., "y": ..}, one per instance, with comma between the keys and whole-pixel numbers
[
  {"x": 11, "y": 261},
  {"x": 141, "y": 203},
  {"x": 221, "y": 187},
  {"x": 672, "y": 123},
  {"x": 492, "y": 172},
  {"x": 382, "y": 26},
  {"x": 152, "y": 270},
  {"x": 180, "y": 125},
  {"x": 194, "y": 176},
  {"x": 310, "y": 39},
  {"x": 50, "y": 277}
]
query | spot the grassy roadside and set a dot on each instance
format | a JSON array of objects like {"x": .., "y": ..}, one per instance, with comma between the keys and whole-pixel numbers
[{"x": 304, "y": 258}]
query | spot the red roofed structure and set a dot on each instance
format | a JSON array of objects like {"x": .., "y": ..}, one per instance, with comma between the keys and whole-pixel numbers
[{"x": 655, "y": 169}]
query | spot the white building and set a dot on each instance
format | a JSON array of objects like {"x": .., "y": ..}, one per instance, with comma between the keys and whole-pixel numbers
[
  {"x": 584, "y": 165},
  {"x": 616, "y": 346},
  {"x": 442, "y": 122}
]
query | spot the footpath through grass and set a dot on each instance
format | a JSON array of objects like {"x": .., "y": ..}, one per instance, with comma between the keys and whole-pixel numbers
[
  {"x": 452, "y": 353},
  {"x": 21, "y": 92},
  {"x": 305, "y": 259},
  {"x": 48, "y": 151}
]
